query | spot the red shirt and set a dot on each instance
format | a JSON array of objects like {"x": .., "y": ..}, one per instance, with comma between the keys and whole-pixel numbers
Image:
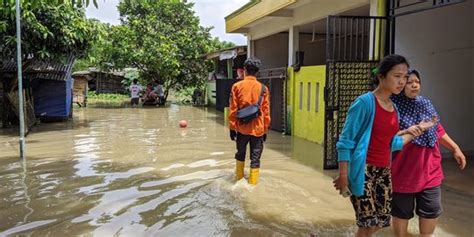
[
  {"x": 385, "y": 126},
  {"x": 416, "y": 168}
]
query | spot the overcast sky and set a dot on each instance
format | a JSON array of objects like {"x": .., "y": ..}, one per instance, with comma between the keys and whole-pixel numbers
[{"x": 211, "y": 13}]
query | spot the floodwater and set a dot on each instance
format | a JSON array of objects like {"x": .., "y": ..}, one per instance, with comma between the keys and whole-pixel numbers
[{"x": 134, "y": 172}]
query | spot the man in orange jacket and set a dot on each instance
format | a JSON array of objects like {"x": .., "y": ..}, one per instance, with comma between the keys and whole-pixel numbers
[{"x": 248, "y": 92}]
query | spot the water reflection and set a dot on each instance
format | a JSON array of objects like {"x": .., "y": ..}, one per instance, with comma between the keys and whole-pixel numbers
[{"x": 134, "y": 172}]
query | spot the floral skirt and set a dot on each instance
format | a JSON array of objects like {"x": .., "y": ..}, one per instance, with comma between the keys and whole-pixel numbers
[{"x": 373, "y": 209}]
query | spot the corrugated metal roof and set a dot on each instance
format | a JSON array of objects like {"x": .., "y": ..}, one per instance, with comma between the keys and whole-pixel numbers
[
  {"x": 40, "y": 69},
  {"x": 240, "y": 50}
]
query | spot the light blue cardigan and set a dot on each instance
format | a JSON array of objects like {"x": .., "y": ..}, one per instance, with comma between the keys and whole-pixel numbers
[{"x": 354, "y": 140}]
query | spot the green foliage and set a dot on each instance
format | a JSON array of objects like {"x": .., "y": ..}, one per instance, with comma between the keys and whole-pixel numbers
[
  {"x": 216, "y": 44},
  {"x": 107, "y": 100},
  {"x": 93, "y": 56},
  {"x": 50, "y": 29},
  {"x": 92, "y": 96},
  {"x": 130, "y": 75},
  {"x": 161, "y": 38},
  {"x": 8, "y": 6},
  {"x": 184, "y": 96}
]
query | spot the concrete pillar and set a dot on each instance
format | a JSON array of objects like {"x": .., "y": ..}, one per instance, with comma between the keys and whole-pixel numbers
[
  {"x": 377, "y": 8},
  {"x": 230, "y": 73},
  {"x": 293, "y": 44},
  {"x": 250, "y": 47}
]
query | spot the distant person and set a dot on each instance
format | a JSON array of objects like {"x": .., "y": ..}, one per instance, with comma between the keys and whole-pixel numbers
[
  {"x": 197, "y": 96},
  {"x": 135, "y": 90},
  {"x": 249, "y": 119},
  {"x": 370, "y": 134},
  {"x": 240, "y": 73},
  {"x": 149, "y": 96},
  {"x": 416, "y": 170}
]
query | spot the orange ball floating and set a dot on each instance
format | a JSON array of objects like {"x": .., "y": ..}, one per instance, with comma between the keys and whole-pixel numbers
[{"x": 183, "y": 123}]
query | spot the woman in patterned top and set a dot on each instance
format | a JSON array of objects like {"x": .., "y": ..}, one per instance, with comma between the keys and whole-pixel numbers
[{"x": 416, "y": 170}]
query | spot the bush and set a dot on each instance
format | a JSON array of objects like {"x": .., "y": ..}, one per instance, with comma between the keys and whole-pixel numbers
[
  {"x": 184, "y": 96},
  {"x": 106, "y": 100},
  {"x": 91, "y": 95}
]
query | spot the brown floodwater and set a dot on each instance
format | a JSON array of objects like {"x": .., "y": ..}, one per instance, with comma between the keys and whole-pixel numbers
[{"x": 134, "y": 172}]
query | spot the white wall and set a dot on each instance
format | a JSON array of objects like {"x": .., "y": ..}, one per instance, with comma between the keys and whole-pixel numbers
[
  {"x": 272, "y": 50},
  {"x": 439, "y": 43},
  {"x": 304, "y": 14},
  {"x": 314, "y": 52}
]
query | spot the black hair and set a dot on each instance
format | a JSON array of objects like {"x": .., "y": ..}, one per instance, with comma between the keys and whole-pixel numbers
[
  {"x": 251, "y": 70},
  {"x": 252, "y": 66},
  {"x": 135, "y": 81},
  {"x": 417, "y": 74},
  {"x": 387, "y": 63}
]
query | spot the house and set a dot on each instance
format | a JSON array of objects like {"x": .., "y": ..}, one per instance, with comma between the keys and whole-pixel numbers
[
  {"x": 329, "y": 48},
  {"x": 47, "y": 90},
  {"x": 227, "y": 63},
  {"x": 106, "y": 81}
]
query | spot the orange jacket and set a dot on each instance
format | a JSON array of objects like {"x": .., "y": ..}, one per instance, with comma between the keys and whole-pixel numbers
[{"x": 244, "y": 93}]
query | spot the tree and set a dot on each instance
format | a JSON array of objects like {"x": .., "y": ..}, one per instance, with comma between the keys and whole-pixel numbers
[
  {"x": 216, "y": 44},
  {"x": 93, "y": 56},
  {"x": 48, "y": 31},
  {"x": 8, "y": 6},
  {"x": 161, "y": 38}
]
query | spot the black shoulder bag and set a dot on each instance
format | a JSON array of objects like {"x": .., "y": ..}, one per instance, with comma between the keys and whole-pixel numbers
[{"x": 251, "y": 112}]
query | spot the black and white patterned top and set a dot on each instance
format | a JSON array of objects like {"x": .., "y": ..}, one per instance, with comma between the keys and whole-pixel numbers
[{"x": 412, "y": 112}]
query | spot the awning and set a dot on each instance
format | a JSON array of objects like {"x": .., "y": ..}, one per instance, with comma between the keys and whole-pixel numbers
[{"x": 228, "y": 54}]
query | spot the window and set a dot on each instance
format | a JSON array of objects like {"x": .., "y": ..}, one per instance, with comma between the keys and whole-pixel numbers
[
  {"x": 308, "y": 98},
  {"x": 316, "y": 101},
  {"x": 301, "y": 95}
]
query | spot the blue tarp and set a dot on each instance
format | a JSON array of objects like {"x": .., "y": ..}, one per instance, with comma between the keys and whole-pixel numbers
[{"x": 52, "y": 98}]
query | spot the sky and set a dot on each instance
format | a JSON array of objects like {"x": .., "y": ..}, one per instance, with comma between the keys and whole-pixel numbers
[{"x": 210, "y": 13}]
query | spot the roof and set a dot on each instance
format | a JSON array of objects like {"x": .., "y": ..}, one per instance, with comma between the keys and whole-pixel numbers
[
  {"x": 248, "y": 5},
  {"x": 80, "y": 73},
  {"x": 93, "y": 70},
  {"x": 42, "y": 69},
  {"x": 239, "y": 20},
  {"x": 227, "y": 53}
]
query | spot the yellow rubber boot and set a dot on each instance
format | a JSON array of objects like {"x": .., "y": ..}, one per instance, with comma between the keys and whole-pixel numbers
[
  {"x": 253, "y": 178},
  {"x": 239, "y": 170}
]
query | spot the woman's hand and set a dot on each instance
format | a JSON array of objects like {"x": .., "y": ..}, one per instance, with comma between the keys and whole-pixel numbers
[
  {"x": 414, "y": 130},
  {"x": 428, "y": 123},
  {"x": 341, "y": 182},
  {"x": 419, "y": 129},
  {"x": 460, "y": 158}
]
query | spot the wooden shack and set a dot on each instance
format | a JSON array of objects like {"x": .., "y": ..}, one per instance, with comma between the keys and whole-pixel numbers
[
  {"x": 46, "y": 88},
  {"x": 80, "y": 87},
  {"x": 106, "y": 82}
]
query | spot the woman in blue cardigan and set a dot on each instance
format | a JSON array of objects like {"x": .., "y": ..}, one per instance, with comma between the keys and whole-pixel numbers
[{"x": 369, "y": 136}]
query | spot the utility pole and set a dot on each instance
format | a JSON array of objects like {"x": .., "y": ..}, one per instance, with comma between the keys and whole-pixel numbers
[{"x": 20, "y": 81}]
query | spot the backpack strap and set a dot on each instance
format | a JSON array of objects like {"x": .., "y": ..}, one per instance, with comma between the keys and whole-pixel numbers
[{"x": 261, "y": 95}]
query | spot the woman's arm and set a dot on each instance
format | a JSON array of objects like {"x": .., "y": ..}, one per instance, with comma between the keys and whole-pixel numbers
[
  {"x": 342, "y": 181},
  {"x": 403, "y": 137},
  {"x": 448, "y": 143},
  {"x": 356, "y": 115}
]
